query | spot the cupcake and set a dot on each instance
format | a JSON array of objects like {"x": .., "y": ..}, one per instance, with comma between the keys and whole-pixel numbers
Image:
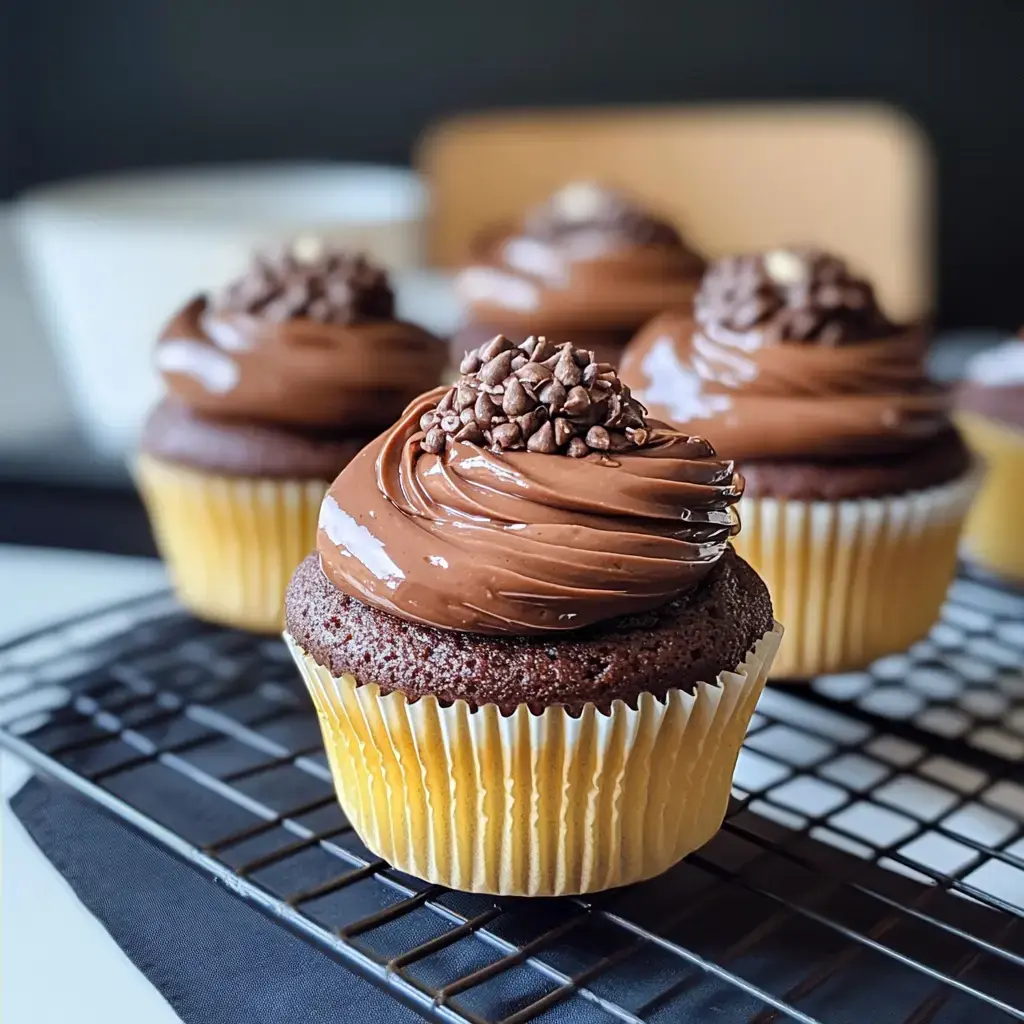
[
  {"x": 273, "y": 385},
  {"x": 588, "y": 265},
  {"x": 532, "y": 648},
  {"x": 990, "y": 406},
  {"x": 857, "y": 483}
]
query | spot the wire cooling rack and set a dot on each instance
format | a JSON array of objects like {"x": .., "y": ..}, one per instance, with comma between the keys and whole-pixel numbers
[{"x": 871, "y": 868}]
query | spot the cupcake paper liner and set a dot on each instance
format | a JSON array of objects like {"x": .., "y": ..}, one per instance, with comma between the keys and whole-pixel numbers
[
  {"x": 854, "y": 580},
  {"x": 535, "y": 804},
  {"x": 994, "y": 536},
  {"x": 231, "y": 544}
]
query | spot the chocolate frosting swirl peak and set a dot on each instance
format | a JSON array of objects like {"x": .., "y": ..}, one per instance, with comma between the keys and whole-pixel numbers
[
  {"x": 509, "y": 540},
  {"x": 800, "y": 295}
]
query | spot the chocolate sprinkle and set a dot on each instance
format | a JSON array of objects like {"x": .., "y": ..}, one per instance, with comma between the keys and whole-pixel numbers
[{"x": 559, "y": 400}]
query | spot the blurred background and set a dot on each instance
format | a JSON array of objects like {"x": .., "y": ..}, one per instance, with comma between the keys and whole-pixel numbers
[{"x": 146, "y": 147}]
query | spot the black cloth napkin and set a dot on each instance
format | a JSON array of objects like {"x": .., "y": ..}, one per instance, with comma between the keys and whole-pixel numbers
[{"x": 215, "y": 958}]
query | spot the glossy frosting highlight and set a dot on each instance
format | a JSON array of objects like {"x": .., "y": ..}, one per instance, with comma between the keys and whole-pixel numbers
[{"x": 520, "y": 542}]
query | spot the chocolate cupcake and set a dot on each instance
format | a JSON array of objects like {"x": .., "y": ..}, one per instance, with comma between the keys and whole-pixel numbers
[
  {"x": 990, "y": 411},
  {"x": 533, "y": 651},
  {"x": 857, "y": 482},
  {"x": 273, "y": 385},
  {"x": 588, "y": 265}
]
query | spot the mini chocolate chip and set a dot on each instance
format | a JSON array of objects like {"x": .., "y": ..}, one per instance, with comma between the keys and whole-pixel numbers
[
  {"x": 518, "y": 362},
  {"x": 566, "y": 369},
  {"x": 543, "y": 441},
  {"x": 445, "y": 405},
  {"x": 470, "y": 432},
  {"x": 484, "y": 409},
  {"x": 470, "y": 363},
  {"x": 516, "y": 400},
  {"x": 577, "y": 402},
  {"x": 598, "y": 437},
  {"x": 531, "y": 421},
  {"x": 506, "y": 435},
  {"x": 553, "y": 395},
  {"x": 619, "y": 441},
  {"x": 465, "y": 395},
  {"x": 541, "y": 351},
  {"x": 498, "y": 344},
  {"x": 528, "y": 345},
  {"x": 427, "y": 420},
  {"x": 467, "y": 415},
  {"x": 434, "y": 441},
  {"x": 589, "y": 374},
  {"x": 497, "y": 369},
  {"x": 564, "y": 431},
  {"x": 450, "y": 423},
  {"x": 577, "y": 449},
  {"x": 533, "y": 373}
]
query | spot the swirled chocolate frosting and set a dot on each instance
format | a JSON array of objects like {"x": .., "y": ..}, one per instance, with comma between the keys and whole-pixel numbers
[
  {"x": 788, "y": 356},
  {"x": 306, "y": 338},
  {"x": 533, "y": 496},
  {"x": 588, "y": 257}
]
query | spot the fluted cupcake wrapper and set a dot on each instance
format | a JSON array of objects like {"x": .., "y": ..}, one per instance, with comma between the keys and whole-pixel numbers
[
  {"x": 854, "y": 580},
  {"x": 993, "y": 536},
  {"x": 231, "y": 544},
  {"x": 535, "y": 804}
]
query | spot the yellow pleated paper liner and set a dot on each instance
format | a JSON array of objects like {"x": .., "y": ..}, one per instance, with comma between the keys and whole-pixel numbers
[
  {"x": 231, "y": 543},
  {"x": 533, "y": 804},
  {"x": 994, "y": 535},
  {"x": 854, "y": 580}
]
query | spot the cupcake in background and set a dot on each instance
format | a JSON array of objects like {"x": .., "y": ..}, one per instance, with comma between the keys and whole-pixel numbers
[
  {"x": 990, "y": 412},
  {"x": 533, "y": 651},
  {"x": 589, "y": 266},
  {"x": 857, "y": 482},
  {"x": 273, "y": 385}
]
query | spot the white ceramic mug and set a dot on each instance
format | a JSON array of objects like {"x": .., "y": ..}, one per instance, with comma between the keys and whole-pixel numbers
[{"x": 111, "y": 258}]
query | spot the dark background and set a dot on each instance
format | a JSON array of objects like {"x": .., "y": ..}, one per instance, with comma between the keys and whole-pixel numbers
[{"x": 98, "y": 85}]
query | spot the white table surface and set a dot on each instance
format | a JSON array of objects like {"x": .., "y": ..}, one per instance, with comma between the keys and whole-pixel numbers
[{"x": 57, "y": 962}]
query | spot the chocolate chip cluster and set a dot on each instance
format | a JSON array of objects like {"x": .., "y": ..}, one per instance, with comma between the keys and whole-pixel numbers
[
  {"x": 587, "y": 208},
  {"x": 790, "y": 295},
  {"x": 310, "y": 281},
  {"x": 545, "y": 398}
]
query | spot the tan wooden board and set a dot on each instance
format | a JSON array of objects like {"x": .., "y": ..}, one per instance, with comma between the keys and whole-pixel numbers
[{"x": 857, "y": 179}]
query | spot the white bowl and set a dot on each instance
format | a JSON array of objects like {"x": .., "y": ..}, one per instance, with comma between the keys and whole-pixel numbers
[{"x": 109, "y": 259}]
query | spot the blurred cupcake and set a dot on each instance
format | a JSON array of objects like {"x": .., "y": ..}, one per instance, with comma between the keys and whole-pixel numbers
[
  {"x": 990, "y": 406},
  {"x": 589, "y": 266},
  {"x": 273, "y": 385},
  {"x": 533, "y": 652},
  {"x": 856, "y": 481}
]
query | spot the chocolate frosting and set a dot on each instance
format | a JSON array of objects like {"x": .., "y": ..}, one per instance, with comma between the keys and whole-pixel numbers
[
  {"x": 793, "y": 376},
  {"x": 994, "y": 385},
  {"x": 586, "y": 258},
  {"x": 301, "y": 372},
  {"x": 522, "y": 542}
]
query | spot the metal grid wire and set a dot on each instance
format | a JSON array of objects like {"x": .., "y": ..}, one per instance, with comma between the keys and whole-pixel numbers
[{"x": 865, "y": 872}]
